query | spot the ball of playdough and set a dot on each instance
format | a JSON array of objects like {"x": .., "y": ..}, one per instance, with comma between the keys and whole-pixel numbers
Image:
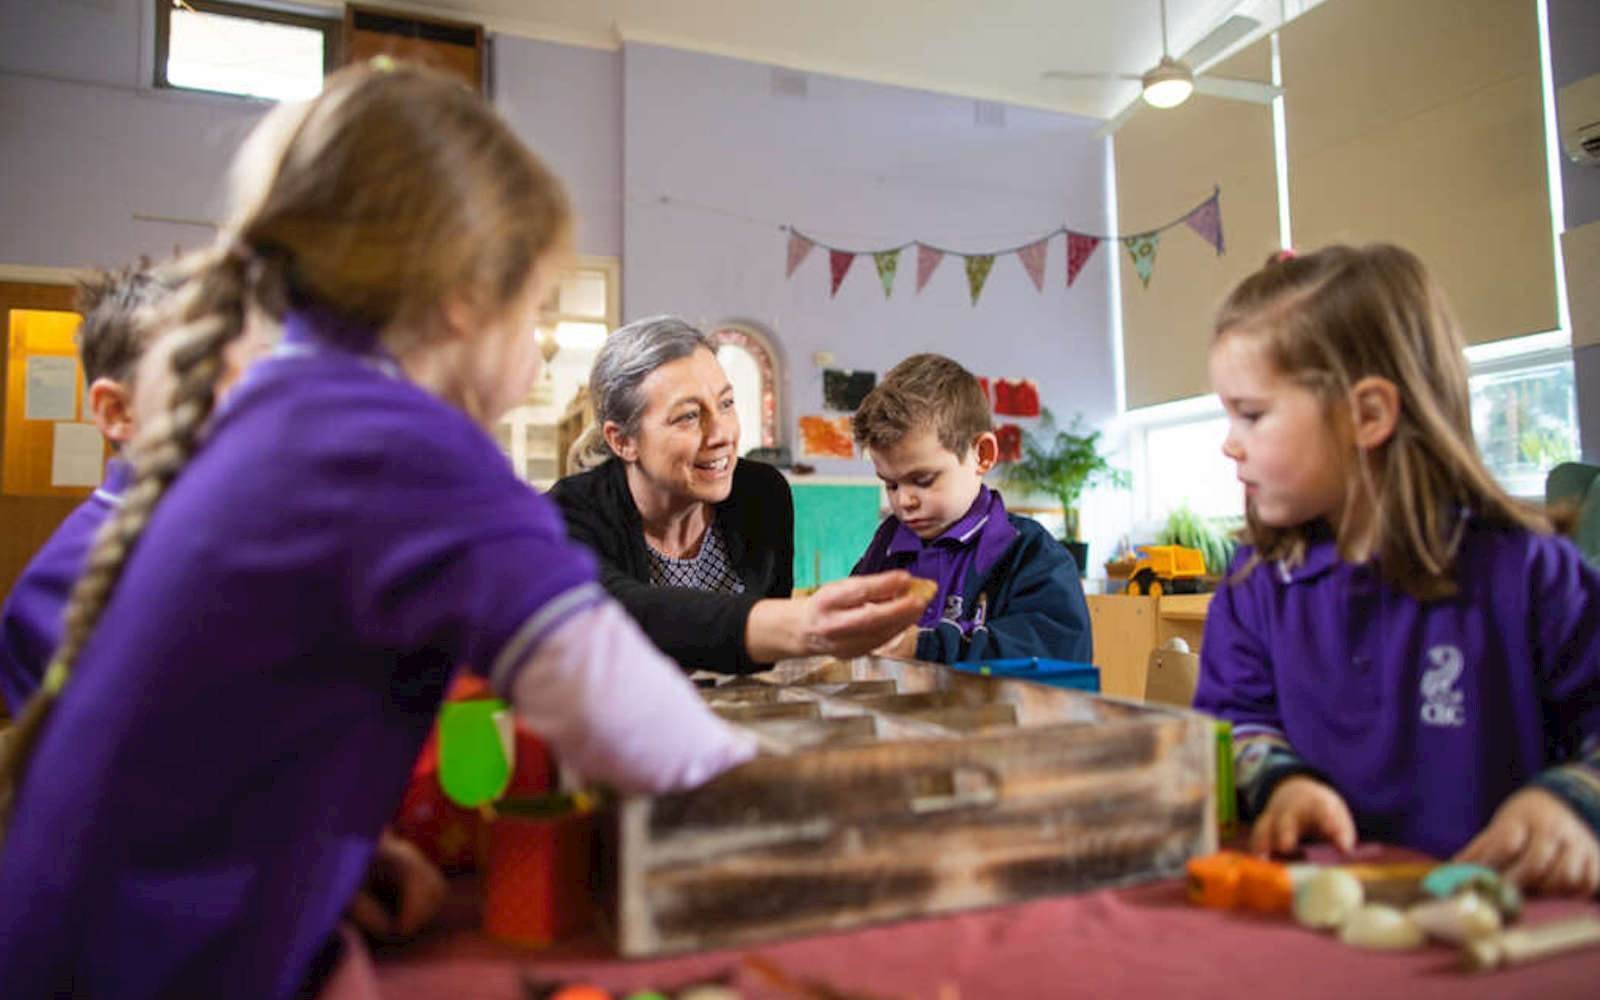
[
  {"x": 1327, "y": 899},
  {"x": 709, "y": 992},
  {"x": 1381, "y": 927}
]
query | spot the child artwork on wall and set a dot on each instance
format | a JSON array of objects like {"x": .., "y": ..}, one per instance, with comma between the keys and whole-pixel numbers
[
  {"x": 1016, "y": 398},
  {"x": 1010, "y": 436},
  {"x": 983, "y": 383},
  {"x": 826, "y": 437},
  {"x": 844, "y": 390}
]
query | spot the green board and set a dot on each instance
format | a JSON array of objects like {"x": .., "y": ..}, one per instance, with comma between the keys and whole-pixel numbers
[{"x": 833, "y": 522}]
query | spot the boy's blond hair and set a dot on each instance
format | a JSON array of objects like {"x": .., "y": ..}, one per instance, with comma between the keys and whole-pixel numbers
[{"x": 924, "y": 391}]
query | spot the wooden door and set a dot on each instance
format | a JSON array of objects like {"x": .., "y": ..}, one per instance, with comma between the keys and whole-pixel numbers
[{"x": 27, "y": 521}]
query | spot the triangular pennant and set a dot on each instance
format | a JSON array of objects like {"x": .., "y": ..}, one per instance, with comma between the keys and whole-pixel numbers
[
  {"x": 927, "y": 262},
  {"x": 839, "y": 262},
  {"x": 977, "y": 273},
  {"x": 799, "y": 248},
  {"x": 1143, "y": 251},
  {"x": 1032, "y": 257},
  {"x": 887, "y": 261},
  {"x": 1207, "y": 221},
  {"x": 1079, "y": 247}
]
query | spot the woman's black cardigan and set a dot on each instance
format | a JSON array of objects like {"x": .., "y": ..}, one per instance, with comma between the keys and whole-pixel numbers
[{"x": 699, "y": 629}]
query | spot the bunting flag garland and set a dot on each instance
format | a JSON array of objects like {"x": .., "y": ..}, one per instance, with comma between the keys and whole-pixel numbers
[
  {"x": 1205, "y": 219},
  {"x": 1079, "y": 247},
  {"x": 1032, "y": 257},
  {"x": 887, "y": 262},
  {"x": 839, "y": 262},
  {"x": 1142, "y": 249},
  {"x": 927, "y": 261},
  {"x": 977, "y": 273},
  {"x": 799, "y": 249}
]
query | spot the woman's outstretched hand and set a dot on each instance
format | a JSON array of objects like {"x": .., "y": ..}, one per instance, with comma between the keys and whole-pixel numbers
[{"x": 848, "y": 617}]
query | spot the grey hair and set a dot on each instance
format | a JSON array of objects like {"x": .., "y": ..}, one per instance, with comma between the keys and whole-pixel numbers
[{"x": 628, "y": 357}]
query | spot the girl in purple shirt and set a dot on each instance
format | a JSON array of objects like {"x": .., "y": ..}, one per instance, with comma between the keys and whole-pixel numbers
[
  {"x": 260, "y": 640},
  {"x": 1404, "y": 651}
]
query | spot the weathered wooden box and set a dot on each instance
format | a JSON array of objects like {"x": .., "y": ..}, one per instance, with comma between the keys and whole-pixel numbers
[{"x": 897, "y": 789}]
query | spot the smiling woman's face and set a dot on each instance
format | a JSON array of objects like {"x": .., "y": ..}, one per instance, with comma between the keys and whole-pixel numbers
[{"x": 688, "y": 439}]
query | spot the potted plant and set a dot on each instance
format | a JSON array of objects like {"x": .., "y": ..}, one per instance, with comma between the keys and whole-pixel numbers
[{"x": 1062, "y": 463}]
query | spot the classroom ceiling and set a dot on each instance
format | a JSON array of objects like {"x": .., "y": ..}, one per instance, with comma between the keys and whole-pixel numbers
[{"x": 987, "y": 49}]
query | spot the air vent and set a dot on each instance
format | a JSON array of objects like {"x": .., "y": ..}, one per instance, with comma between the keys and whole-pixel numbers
[
  {"x": 789, "y": 83},
  {"x": 988, "y": 114}
]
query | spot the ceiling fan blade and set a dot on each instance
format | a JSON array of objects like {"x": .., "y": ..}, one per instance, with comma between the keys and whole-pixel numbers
[
  {"x": 1220, "y": 38},
  {"x": 1062, "y": 74},
  {"x": 1118, "y": 120},
  {"x": 1236, "y": 90}
]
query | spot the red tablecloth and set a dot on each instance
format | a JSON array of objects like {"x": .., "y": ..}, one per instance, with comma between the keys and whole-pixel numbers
[{"x": 1138, "y": 942}]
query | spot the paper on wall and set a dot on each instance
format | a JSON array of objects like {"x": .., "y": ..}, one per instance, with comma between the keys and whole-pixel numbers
[
  {"x": 51, "y": 392},
  {"x": 77, "y": 455}
]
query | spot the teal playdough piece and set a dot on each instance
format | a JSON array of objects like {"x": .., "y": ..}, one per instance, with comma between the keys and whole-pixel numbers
[
  {"x": 474, "y": 751},
  {"x": 1444, "y": 880}
]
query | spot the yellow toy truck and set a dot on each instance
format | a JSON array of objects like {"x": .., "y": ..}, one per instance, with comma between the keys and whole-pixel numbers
[{"x": 1167, "y": 569}]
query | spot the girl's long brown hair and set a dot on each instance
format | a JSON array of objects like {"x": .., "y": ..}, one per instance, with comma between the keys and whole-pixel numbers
[
  {"x": 1331, "y": 318},
  {"x": 392, "y": 191}
]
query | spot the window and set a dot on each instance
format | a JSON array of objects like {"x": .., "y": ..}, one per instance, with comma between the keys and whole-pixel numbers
[
  {"x": 235, "y": 49},
  {"x": 537, "y": 434}
]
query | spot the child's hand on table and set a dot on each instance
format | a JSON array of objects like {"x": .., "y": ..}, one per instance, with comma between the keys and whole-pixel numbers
[
  {"x": 1300, "y": 808},
  {"x": 1540, "y": 844},
  {"x": 402, "y": 892}
]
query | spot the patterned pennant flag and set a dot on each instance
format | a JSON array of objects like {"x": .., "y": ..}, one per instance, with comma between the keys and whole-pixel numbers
[
  {"x": 1207, "y": 221},
  {"x": 799, "y": 248},
  {"x": 1032, "y": 257},
  {"x": 1079, "y": 247},
  {"x": 927, "y": 262},
  {"x": 839, "y": 262},
  {"x": 977, "y": 273},
  {"x": 887, "y": 261},
  {"x": 1143, "y": 251}
]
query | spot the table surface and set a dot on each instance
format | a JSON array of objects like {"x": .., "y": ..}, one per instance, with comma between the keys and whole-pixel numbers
[{"x": 1130, "y": 942}]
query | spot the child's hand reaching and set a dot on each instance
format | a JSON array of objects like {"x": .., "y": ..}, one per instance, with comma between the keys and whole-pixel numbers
[
  {"x": 1300, "y": 808},
  {"x": 402, "y": 892},
  {"x": 1540, "y": 844}
]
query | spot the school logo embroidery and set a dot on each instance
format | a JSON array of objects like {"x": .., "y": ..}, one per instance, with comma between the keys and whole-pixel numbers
[{"x": 1442, "y": 701}]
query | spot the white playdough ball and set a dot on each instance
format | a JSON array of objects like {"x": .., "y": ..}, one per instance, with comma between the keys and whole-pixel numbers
[
  {"x": 1381, "y": 927},
  {"x": 1327, "y": 899}
]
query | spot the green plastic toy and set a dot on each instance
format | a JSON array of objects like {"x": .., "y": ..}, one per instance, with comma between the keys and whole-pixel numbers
[{"x": 476, "y": 751}]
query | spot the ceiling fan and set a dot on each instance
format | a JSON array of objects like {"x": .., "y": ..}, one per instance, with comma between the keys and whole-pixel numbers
[{"x": 1170, "y": 82}]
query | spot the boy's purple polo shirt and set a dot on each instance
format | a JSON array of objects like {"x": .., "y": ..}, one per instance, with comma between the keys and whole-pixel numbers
[
  {"x": 1423, "y": 716},
  {"x": 973, "y": 542},
  {"x": 204, "y": 801},
  {"x": 30, "y": 625}
]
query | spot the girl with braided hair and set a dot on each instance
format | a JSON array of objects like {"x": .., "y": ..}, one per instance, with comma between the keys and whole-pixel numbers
[{"x": 262, "y": 634}]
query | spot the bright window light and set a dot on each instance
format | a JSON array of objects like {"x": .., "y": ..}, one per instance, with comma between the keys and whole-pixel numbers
[{"x": 237, "y": 54}]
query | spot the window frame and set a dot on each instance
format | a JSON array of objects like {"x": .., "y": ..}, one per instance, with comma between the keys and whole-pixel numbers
[{"x": 329, "y": 27}]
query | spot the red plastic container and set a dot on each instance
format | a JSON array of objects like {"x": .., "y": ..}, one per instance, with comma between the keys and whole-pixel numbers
[{"x": 537, "y": 878}]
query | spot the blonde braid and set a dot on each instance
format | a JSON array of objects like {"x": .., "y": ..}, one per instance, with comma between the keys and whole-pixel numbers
[{"x": 213, "y": 307}]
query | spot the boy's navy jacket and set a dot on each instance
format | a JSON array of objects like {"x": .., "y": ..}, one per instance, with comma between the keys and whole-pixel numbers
[{"x": 1023, "y": 600}]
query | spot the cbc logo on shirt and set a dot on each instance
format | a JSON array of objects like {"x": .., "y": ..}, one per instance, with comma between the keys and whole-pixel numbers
[{"x": 1442, "y": 701}]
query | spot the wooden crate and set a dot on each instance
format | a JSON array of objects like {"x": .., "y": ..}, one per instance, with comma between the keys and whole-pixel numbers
[{"x": 893, "y": 789}]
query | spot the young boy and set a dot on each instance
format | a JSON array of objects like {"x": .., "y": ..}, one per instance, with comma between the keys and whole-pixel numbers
[
  {"x": 116, "y": 307},
  {"x": 1006, "y": 588}
]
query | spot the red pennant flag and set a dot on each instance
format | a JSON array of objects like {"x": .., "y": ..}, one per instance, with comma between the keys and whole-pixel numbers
[
  {"x": 1079, "y": 247},
  {"x": 927, "y": 261},
  {"x": 839, "y": 262},
  {"x": 1032, "y": 257},
  {"x": 799, "y": 247}
]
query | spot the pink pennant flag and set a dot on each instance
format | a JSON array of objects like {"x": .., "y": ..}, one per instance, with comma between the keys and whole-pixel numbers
[
  {"x": 1079, "y": 247},
  {"x": 839, "y": 262},
  {"x": 927, "y": 262},
  {"x": 1207, "y": 221},
  {"x": 1032, "y": 257},
  {"x": 799, "y": 248}
]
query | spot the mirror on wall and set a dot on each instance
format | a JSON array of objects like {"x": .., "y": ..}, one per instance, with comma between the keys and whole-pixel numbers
[{"x": 747, "y": 356}]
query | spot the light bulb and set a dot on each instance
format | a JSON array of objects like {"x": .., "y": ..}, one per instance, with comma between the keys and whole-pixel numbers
[{"x": 1167, "y": 93}]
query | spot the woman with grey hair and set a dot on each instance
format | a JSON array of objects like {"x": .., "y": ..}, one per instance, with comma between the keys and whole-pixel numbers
[{"x": 696, "y": 544}]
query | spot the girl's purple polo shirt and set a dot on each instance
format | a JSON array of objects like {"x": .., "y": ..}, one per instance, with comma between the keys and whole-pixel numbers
[
  {"x": 204, "y": 802},
  {"x": 30, "y": 626},
  {"x": 1424, "y": 716}
]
